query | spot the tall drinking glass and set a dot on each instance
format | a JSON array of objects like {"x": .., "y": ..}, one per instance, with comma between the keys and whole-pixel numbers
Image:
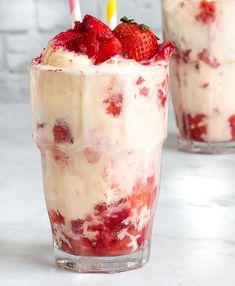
[{"x": 100, "y": 134}]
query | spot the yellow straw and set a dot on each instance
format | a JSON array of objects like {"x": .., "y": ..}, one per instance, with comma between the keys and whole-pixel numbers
[{"x": 111, "y": 13}]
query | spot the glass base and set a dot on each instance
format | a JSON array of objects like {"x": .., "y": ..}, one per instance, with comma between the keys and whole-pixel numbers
[
  {"x": 191, "y": 146},
  {"x": 102, "y": 264}
]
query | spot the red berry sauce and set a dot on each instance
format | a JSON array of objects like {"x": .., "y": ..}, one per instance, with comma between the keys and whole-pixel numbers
[{"x": 112, "y": 229}]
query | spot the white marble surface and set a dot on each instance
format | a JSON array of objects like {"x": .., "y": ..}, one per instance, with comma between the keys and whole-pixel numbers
[{"x": 194, "y": 232}]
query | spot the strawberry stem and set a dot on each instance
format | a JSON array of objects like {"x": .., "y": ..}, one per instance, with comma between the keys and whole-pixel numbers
[
  {"x": 132, "y": 21},
  {"x": 144, "y": 27},
  {"x": 126, "y": 20}
]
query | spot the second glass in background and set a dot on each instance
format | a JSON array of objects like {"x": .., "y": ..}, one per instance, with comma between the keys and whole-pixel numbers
[{"x": 202, "y": 73}]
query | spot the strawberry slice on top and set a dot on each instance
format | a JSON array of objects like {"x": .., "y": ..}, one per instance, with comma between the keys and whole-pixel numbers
[{"x": 138, "y": 41}]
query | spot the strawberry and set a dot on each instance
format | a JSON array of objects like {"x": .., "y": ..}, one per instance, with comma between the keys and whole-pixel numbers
[
  {"x": 194, "y": 126},
  {"x": 207, "y": 12},
  {"x": 92, "y": 24},
  {"x": 138, "y": 42},
  {"x": 107, "y": 49},
  {"x": 94, "y": 39},
  {"x": 77, "y": 226},
  {"x": 62, "y": 133},
  {"x": 232, "y": 125}
]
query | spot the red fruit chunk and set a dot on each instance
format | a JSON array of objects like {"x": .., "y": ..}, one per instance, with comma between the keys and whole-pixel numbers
[
  {"x": 90, "y": 37},
  {"x": 138, "y": 41},
  {"x": 62, "y": 133},
  {"x": 164, "y": 51},
  {"x": 194, "y": 126},
  {"x": 114, "y": 220},
  {"x": 107, "y": 49},
  {"x": 92, "y": 24},
  {"x": 84, "y": 43},
  {"x": 183, "y": 55},
  {"x": 140, "y": 80},
  {"x": 162, "y": 97},
  {"x": 232, "y": 125},
  {"x": 143, "y": 194},
  {"x": 78, "y": 247},
  {"x": 55, "y": 217},
  {"x": 207, "y": 13},
  {"x": 114, "y": 104},
  {"x": 144, "y": 91},
  {"x": 204, "y": 56},
  {"x": 63, "y": 38},
  {"x": 77, "y": 226}
]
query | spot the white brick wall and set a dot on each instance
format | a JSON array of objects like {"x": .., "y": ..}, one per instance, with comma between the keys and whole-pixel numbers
[{"x": 27, "y": 25}]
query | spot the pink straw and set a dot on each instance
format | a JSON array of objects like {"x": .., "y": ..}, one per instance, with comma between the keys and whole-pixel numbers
[{"x": 75, "y": 10}]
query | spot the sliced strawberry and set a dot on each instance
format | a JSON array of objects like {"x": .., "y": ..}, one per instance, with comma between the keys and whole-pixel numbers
[
  {"x": 62, "y": 133},
  {"x": 194, "y": 126},
  {"x": 63, "y": 38},
  {"x": 207, "y": 13},
  {"x": 107, "y": 49},
  {"x": 138, "y": 41},
  {"x": 78, "y": 27},
  {"x": 114, "y": 104},
  {"x": 232, "y": 125},
  {"x": 92, "y": 24}
]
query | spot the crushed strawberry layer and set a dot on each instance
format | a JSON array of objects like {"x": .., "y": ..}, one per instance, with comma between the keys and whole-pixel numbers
[
  {"x": 95, "y": 39},
  {"x": 207, "y": 12},
  {"x": 194, "y": 127},
  {"x": 112, "y": 229}
]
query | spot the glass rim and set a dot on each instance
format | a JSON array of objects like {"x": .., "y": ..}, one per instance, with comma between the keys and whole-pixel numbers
[{"x": 107, "y": 69}]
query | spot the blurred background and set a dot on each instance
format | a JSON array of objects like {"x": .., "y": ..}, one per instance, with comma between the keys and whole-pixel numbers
[{"x": 27, "y": 25}]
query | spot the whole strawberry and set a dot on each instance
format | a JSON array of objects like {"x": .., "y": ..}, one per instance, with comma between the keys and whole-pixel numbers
[{"x": 138, "y": 41}]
